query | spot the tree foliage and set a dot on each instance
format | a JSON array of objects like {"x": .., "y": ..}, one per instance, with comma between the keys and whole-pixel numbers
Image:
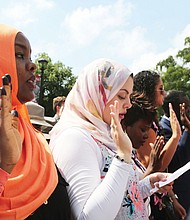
[
  {"x": 58, "y": 80},
  {"x": 175, "y": 71}
]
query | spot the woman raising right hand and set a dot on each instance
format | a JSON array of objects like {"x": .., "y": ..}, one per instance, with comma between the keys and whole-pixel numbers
[{"x": 94, "y": 156}]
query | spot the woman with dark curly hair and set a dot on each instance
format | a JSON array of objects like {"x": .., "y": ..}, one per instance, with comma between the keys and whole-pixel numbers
[
  {"x": 149, "y": 85},
  {"x": 149, "y": 91}
]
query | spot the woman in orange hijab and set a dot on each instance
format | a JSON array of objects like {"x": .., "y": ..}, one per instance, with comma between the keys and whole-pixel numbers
[{"x": 30, "y": 185}]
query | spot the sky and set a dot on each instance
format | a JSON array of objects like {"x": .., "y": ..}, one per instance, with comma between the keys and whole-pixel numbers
[{"x": 137, "y": 33}]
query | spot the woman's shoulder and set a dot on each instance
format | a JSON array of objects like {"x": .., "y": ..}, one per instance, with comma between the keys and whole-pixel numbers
[
  {"x": 76, "y": 132},
  {"x": 72, "y": 137},
  {"x": 71, "y": 143}
]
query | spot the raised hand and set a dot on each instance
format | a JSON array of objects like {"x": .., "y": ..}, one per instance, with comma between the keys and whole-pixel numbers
[
  {"x": 176, "y": 129},
  {"x": 184, "y": 119},
  {"x": 156, "y": 157},
  {"x": 123, "y": 143},
  {"x": 10, "y": 145},
  {"x": 171, "y": 145}
]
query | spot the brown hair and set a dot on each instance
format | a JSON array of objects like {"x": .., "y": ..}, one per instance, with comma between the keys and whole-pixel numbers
[{"x": 57, "y": 101}]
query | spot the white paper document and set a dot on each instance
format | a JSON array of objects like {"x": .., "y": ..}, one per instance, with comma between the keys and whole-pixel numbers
[{"x": 173, "y": 176}]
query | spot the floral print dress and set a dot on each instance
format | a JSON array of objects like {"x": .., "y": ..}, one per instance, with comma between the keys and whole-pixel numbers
[{"x": 132, "y": 207}]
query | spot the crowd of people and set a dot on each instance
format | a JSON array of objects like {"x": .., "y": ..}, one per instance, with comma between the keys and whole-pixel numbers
[{"x": 104, "y": 151}]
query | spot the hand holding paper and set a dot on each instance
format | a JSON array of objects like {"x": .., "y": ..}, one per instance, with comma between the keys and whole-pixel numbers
[{"x": 172, "y": 177}]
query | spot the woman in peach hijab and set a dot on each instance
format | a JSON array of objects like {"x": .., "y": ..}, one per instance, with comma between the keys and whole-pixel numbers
[{"x": 30, "y": 184}]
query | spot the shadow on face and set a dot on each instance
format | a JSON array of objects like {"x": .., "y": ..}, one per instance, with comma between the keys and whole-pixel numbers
[{"x": 25, "y": 69}]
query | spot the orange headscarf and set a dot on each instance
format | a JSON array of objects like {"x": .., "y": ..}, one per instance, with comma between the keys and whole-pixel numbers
[{"x": 34, "y": 178}]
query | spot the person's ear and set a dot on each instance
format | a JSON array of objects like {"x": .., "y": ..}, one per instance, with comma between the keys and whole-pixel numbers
[{"x": 57, "y": 108}]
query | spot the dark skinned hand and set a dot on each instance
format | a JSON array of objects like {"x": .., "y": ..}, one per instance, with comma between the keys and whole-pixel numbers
[
  {"x": 10, "y": 145},
  {"x": 184, "y": 119},
  {"x": 156, "y": 155}
]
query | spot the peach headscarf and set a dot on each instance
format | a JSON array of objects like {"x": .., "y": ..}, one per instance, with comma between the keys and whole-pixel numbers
[
  {"x": 34, "y": 178},
  {"x": 97, "y": 84}
]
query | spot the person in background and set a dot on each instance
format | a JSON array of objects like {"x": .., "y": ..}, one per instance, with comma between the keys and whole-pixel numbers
[
  {"x": 92, "y": 151},
  {"x": 149, "y": 90},
  {"x": 36, "y": 113},
  {"x": 30, "y": 185},
  {"x": 58, "y": 106},
  {"x": 181, "y": 106},
  {"x": 137, "y": 123}
]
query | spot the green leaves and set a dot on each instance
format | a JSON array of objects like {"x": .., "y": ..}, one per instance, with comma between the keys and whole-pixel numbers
[
  {"x": 58, "y": 81},
  {"x": 175, "y": 71}
]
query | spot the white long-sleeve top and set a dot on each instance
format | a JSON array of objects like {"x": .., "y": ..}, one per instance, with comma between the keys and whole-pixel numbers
[{"x": 81, "y": 162}]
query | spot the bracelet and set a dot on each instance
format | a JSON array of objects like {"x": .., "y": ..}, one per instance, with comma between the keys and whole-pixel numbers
[{"x": 121, "y": 159}]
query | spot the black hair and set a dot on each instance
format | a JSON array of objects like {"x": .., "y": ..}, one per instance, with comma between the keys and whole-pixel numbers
[
  {"x": 174, "y": 97},
  {"x": 136, "y": 113},
  {"x": 145, "y": 83}
]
